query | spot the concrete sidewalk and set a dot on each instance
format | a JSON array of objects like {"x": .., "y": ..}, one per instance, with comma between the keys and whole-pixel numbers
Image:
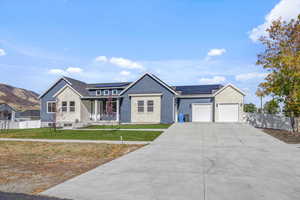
[
  {"x": 75, "y": 141},
  {"x": 195, "y": 161}
]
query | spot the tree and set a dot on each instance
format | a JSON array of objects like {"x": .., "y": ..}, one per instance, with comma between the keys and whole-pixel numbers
[
  {"x": 272, "y": 107},
  {"x": 260, "y": 93},
  {"x": 281, "y": 58},
  {"x": 250, "y": 108}
]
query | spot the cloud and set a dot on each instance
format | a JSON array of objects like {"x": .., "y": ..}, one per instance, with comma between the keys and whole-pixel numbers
[
  {"x": 57, "y": 71},
  {"x": 125, "y": 73},
  {"x": 213, "y": 80},
  {"x": 286, "y": 9},
  {"x": 125, "y": 63},
  {"x": 69, "y": 70},
  {"x": 101, "y": 59},
  {"x": 121, "y": 62},
  {"x": 2, "y": 52},
  {"x": 73, "y": 70},
  {"x": 248, "y": 76},
  {"x": 216, "y": 52}
]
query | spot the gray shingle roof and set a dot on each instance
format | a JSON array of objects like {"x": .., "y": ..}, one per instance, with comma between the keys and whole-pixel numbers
[
  {"x": 197, "y": 89},
  {"x": 116, "y": 84}
]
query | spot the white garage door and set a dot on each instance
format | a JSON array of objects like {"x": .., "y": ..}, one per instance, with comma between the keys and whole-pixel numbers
[
  {"x": 202, "y": 113},
  {"x": 228, "y": 112}
]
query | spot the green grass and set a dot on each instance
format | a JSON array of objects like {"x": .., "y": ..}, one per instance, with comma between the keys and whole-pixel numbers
[
  {"x": 131, "y": 126},
  {"x": 46, "y": 133}
]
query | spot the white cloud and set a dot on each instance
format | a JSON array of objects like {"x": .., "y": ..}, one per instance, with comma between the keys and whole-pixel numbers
[
  {"x": 101, "y": 59},
  {"x": 125, "y": 63},
  {"x": 248, "y": 76},
  {"x": 2, "y": 52},
  {"x": 72, "y": 70},
  {"x": 57, "y": 71},
  {"x": 69, "y": 70},
  {"x": 213, "y": 80},
  {"x": 216, "y": 52},
  {"x": 286, "y": 9},
  {"x": 125, "y": 73}
]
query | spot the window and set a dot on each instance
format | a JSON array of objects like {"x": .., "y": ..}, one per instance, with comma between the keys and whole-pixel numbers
[
  {"x": 150, "y": 106},
  {"x": 98, "y": 92},
  {"x": 114, "y": 92},
  {"x": 64, "y": 106},
  {"x": 140, "y": 106},
  {"x": 51, "y": 107},
  {"x": 106, "y": 92},
  {"x": 72, "y": 106}
]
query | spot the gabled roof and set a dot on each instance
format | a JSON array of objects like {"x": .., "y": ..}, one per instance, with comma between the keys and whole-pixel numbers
[
  {"x": 153, "y": 77},
  {"x": 229, "y": 85},
  {"x": 108, "y": 85},
  {"x": 197, "y": 89}
]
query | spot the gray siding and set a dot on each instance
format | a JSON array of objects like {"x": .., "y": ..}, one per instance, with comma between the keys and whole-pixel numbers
[
  {"x": 148, "y": 85},
  {"x": 48, "y": 117},
  {"x": 185, "y": 105}
]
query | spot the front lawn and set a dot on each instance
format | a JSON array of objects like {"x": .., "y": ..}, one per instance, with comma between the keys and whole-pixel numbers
[
  {"x": 131, "y": 126},
  {"x": 31, "y": 167},
  {"x": 46, "y": 133}
]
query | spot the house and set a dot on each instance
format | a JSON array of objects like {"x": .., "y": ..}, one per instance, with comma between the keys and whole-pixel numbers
[
  {"x": 28, "y": 115},
  {"x": 146, "y": 100},
  {"x": 7, "y": 112}
]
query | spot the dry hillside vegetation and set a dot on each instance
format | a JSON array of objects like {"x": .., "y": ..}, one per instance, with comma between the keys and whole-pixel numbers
[
  {"x": 31, "y": 167},
  {"x": 20, "y": 99}
]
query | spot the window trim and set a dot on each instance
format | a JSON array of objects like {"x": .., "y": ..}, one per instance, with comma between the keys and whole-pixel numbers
[
  {"x": 114, "y": 92},
  {"x": 143, "y": 106},
  {"x": 106, "y": 92},
  {"x": 66, "y": 106},
  {"x": 72, "y": 106},
  {"x": 150, "y": 106},
  {"x": 100, "y": 92},
  {"x": 48, "y": 106}
]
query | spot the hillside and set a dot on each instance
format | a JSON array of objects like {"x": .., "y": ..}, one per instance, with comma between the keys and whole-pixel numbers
[{"x": 19, "y": 99}]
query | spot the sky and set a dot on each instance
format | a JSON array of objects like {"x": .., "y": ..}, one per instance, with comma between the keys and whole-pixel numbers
[{"x": 184, "y": 42}]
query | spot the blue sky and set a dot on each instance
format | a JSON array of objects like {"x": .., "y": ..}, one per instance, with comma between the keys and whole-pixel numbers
[{"x": 183, "y": 42}]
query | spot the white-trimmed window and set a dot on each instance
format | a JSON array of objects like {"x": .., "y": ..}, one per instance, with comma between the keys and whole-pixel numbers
[
  {"x": 140, "y": 106},
  {"x": 51, "y": 106},
  {"x": 72, "y": 106},
  {"x": 64, "y": 106},
  {"x": 106, "y": 92},
  {"x": 114, "y": 92},
  {"x": 150, "y": 106},
  {"x": 98, "y": 92}
]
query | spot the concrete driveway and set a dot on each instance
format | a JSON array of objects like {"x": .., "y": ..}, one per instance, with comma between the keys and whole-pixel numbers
[{"x": 198, "y": 161}]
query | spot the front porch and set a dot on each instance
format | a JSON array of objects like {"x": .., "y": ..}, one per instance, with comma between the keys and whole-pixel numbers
[{"x": 103, "y": 110}]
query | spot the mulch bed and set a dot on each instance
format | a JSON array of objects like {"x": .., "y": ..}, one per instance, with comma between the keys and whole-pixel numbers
[{"x": 285, "y": 136}]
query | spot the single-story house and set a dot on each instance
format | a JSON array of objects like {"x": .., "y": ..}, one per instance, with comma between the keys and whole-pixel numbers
[
  {"x": 7, "y": 112},
  {"x": 146, "y": 100}
]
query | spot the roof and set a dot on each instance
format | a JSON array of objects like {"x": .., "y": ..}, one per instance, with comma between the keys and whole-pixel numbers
[
  {"x": 104, "y": 85},
  {"x": 197, "y": 89}
]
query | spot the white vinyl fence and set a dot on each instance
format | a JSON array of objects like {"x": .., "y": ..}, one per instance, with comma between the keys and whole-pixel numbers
[
  {"x": 269, "y": 121},
  {"x": 20, "y": 125}
]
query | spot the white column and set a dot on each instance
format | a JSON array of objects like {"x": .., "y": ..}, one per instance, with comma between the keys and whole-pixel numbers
[
  {"x": 118, "y": 115},
  {"x": 96, "y": 109}
]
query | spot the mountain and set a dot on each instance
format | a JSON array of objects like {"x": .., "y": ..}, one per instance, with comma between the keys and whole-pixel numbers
[{"x": 18, "y": 98}]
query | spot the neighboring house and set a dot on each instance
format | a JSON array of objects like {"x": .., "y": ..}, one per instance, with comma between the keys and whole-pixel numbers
[
  {"x": 28, "y": 115},
  {"x": 7, "y": 112},
  {"x": 146, "y": 100}
]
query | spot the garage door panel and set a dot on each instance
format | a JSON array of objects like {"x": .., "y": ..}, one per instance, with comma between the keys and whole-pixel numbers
[
  {"x": 228, "y": 112},
  {"x": 201, "y": 112}
]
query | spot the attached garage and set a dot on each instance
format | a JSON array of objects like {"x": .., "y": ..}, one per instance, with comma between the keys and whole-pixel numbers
[
  {"x": 228, "y": 112},
  {"x": 201, "y": 112}
]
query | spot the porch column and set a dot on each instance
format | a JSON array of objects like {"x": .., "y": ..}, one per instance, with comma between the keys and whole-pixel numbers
[
  {"x": 96, "y": 109},
  {"x": 118, "y": 115}
]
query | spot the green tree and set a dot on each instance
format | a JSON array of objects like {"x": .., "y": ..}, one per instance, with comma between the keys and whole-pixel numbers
[
  {"x": 260, "y": 93},
  {"x": 250, "y": 108},
  {"x": 272, "y": 107},
  {"x": 281, "y": 58}
]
